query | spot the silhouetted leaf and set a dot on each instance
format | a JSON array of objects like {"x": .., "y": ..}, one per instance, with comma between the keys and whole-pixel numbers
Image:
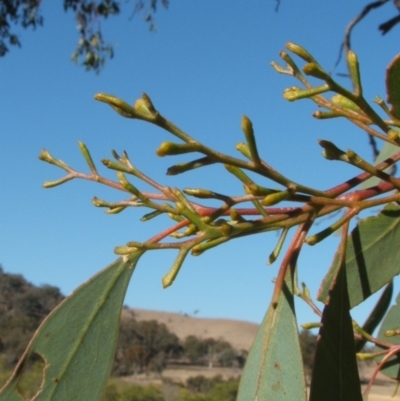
[{"x": 335, "y": 374}]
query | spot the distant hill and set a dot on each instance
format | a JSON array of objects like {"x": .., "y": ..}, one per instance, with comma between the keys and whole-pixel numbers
[{"x": 238, "y": 333}]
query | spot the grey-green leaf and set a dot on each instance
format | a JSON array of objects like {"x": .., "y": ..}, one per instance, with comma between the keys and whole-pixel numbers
[
  {"x": 335, "y": 373},
  {"x": 77, "y": 340},
  {"x": 373, "y": 256},
  {"x": 391, "y": 322},
  {"x": 274, "y": 367}
]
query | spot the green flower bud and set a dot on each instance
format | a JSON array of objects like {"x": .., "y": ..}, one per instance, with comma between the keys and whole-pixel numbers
[
  {"x": 392, "y": 333},
  {"x": 118, "y": 105},
  {"x": 315, "y": 70},
  {"x": 275, "y": 198},
  {"x": 300, "y": 51},
  {"x": 247, "y": 126},
  {"x": 309, "y": 326},
  {"x": 331, "y": 151},
  {"x": 144, "y": 107},
  {"x": 171, "y": 148},
  {"x": 344, "y": 102},
  {"x": 291, "y": 93}
]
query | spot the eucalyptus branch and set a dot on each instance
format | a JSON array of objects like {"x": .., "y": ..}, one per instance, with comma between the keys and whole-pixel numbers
[
  {"x": 359, "y": 330},
  {"x": 354, "y": 106},
  {"x": 199, "y": 227},
  {"x": 290, "y": 259},
  {"x": 143, "y": 111},
  {"x": 346, "y": 41},
  {"x": 306, "y": 297},
  {"x": 201, "y": 219},
  {"x": 284, "y": 217}
]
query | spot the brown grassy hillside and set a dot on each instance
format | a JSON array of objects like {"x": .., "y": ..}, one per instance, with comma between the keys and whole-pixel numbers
[{"x": 238, "y": 333}]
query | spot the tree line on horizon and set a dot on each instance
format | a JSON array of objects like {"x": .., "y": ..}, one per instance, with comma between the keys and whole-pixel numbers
[{"x": 143, "y": 346}]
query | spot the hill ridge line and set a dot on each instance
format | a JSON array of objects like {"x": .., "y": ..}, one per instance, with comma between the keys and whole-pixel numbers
[{"x": 240, "y": 334}]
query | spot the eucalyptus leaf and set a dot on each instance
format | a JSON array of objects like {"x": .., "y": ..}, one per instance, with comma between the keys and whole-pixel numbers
[
  {"x": 77, "y": 340},
  {"x": 372, "y": 256},
  {"x": 335, "y": 373},
  {"x": 274, "y": 366}
]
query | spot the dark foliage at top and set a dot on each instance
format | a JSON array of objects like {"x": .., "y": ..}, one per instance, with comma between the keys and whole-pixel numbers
[{"x": 91, "y": 50}]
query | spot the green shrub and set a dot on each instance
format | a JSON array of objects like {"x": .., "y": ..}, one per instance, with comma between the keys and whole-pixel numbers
[{"x": 141, "y": 393}]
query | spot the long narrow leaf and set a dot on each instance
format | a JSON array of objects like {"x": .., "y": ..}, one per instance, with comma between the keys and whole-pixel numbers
[{"x": 335, "y": 374}]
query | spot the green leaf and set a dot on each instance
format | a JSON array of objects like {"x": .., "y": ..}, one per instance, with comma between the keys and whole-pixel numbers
[
  {"x": 274, "y": 367},
  {"x": 373, "y": 255},
  {"x": 335, "y": 374},
  {"x": 77, "y": 340},
  {"x": 391, "y": 322},
  {"x": 393, "y": 86}
]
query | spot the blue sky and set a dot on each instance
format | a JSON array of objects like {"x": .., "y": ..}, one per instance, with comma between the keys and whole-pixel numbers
[{"x": 205, "y": 67}]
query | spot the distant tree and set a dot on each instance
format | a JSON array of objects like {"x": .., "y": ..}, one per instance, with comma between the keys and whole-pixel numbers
[
  {"x": 241, "y": 358},
  {"x": 308, "y": 344},
  {"x": 219, "y": 351},
  {"x": 209, "y": 351},
  {"x": 91, "y": 50},
  {"x": 194, "y": 349},
  {"x": 228, "y": 357},
  {"x": 144, "y": 346}
]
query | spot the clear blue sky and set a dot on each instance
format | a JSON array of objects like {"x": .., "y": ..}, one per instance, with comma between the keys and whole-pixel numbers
[{"x": 206, "y": 66}]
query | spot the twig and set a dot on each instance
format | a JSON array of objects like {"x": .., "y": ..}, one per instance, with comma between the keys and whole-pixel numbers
[{"x": 346, "y": 41}]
